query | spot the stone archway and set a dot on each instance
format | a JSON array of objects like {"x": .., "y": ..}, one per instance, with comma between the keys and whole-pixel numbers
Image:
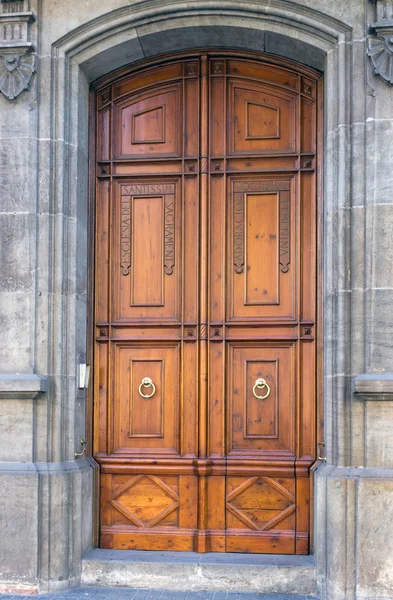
[{"x": 128, "y": 35}]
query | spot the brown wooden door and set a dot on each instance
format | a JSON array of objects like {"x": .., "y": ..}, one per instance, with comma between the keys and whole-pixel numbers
[{"x": 205, "y": 306}]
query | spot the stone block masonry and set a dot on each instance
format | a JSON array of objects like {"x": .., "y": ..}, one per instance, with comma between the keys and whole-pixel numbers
[{"x": 47, "y": 496}]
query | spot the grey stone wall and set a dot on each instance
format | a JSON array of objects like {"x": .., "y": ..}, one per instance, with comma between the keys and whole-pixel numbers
[{"x": 47, "y": 495}]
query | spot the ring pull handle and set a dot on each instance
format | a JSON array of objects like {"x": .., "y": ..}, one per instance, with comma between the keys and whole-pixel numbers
[
  {"x": 147, "y": 382},
  {"x": 260, "y": 384}
]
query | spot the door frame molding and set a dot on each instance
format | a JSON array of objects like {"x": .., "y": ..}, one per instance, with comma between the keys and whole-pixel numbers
[
  {"x": 124, "y": 36},
  {"x": 127, "y": 71}
]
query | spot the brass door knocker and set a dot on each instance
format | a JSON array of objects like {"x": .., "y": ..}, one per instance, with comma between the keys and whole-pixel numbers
[
  {"x": 147, "y": 382},
  {"x": 260, "y": 384}
]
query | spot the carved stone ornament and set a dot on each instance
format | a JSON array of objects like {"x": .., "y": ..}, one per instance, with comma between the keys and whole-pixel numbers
[
  {"x": 16, "y": 71},
  {"x": 17, "y": 61},
  {"x": 380, "y": 45}
]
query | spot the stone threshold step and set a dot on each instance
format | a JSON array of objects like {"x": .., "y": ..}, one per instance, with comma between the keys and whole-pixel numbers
[
  {"x": 119, "y": 593},
  {"x": 189, "y": 571}
]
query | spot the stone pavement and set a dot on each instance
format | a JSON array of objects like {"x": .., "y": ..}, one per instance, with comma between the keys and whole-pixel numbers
[{"x": 118, "y": 593}]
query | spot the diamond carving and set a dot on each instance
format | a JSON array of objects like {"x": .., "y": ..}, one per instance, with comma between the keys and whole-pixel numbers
[
  {"x": 241, "y": 502},
  {"x": 145, "y": 500}
]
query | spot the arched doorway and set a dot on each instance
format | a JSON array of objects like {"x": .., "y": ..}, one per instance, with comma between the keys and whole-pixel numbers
[{"x": 206, "y": 304}]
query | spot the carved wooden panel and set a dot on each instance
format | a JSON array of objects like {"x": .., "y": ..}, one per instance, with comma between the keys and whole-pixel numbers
[
  {"x": 146, "y": 415},
  {"x": 261, "y": 248},
  {"x": 138, "y": 511},
  {"x": 255, "y": 69},
  {"x": 262, "y": 121},
  {"x": 146, "y": 411},
  {"x": 261, "y": 426},
  {"x": 148, "y": 246},
  {"x": 147, "y": 501},
  {"x": 263, "y": 117},
  {"x": 147, "y": 234},
  {"x": 103, "y": 141},
  {"x": 261, "y": 276},
  {"x": 260, "y": 505},
  {"x": 149, "y": 124}
]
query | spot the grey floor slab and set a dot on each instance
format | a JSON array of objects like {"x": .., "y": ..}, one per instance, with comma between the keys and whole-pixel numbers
[
  {"x": 186, "y": 572},
  {"x": 211, "y": 558},
  {"x": 118, "y": 593}
]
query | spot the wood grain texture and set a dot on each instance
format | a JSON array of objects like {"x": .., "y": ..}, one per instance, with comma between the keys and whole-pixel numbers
[{"x": 206, "y": 280}]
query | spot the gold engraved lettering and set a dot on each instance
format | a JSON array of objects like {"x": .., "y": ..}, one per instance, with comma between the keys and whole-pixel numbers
[
  {"x": 238, "y": 232},
  {"x": 285, "y": 238},
  {"x": 169, "y": 251},
  {"x": 125, "y": 242}
]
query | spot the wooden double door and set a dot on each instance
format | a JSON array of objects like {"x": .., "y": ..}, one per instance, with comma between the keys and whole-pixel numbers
[{"x": 205, "y": 305}]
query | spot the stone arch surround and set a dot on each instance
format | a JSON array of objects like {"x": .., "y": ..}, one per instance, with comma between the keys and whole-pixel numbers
[{"x": 125, "y": 36}]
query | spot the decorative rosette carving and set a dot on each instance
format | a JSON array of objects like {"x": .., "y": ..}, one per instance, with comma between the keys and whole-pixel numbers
[
  {"x": 380, "y": 45},
  {"x": 17, "y": 60},
  {"x": 16, "y": 71},
  {"x": 380, "y": 50}
]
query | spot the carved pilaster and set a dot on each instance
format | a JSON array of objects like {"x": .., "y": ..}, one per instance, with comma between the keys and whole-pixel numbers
[
  {"x": 17, "y": 61},
  {"x": 380, "y": 42}
]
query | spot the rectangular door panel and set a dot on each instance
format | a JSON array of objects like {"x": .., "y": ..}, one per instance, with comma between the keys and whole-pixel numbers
[
  {"x": 148, "y": 512},
  {"x": 262, "y": 118},
  {"x": 147, "y": 234},
  {"x": 255, "y": 70},
  {"x": 149, "y": 124},
  {"x": 261, "y": 514},
  {"x": 261, "y": 246},
  {"x": 261, "y": 215},
  {"x": 146, "y": 398},
  {"x": 261, "y": 399}
]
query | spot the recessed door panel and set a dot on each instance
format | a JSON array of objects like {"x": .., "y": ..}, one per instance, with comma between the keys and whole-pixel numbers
[
  {"x": 261, "y": 510},
  {"x": 262, "y": 248},
  {"x": 147, "y": 240},
  {"x": 149, "y": 124},
  {"x": 263, "y": 119},
  {"x": 262, "y": 214},
  {"x": 147, "y": 512},
  {"x": 146, "y": 398},
  {"x": 262, "y": 398},
  {"x": 205, "y": 304}
]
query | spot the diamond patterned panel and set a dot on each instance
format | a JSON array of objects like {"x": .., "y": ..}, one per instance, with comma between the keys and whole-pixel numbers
[
  {"x": 260, "y": 503},
  {"x": 145, "y": 500}
]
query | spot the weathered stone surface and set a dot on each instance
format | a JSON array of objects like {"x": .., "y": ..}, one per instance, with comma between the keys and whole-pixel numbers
[
  {"x": 16, "y": 431},
  {"x": 180, "y": 571},
  {"x": 374, "y": 543},
  {"x": 44, "y": 504},
  {"x": 19, "y": 532},
  {"x": 377, "y": 384},
  {"x": 25, "y": 385},
  {"x": 379, "y": 440},
  {"x": 43, "y": 292},
  {"x": 15, "y": 323}
]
